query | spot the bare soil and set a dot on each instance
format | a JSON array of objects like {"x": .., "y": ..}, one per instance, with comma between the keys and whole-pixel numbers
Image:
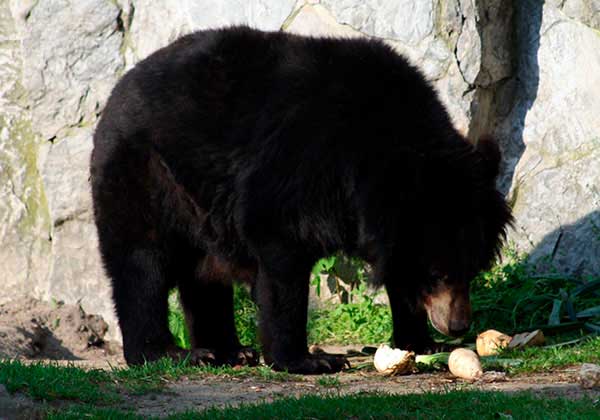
[
  {"x": 199, "y": 394},
  {"x": 33, "y": 330}
]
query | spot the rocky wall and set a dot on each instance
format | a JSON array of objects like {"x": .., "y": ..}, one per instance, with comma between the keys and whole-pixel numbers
[{"x": 527, "y": 72}]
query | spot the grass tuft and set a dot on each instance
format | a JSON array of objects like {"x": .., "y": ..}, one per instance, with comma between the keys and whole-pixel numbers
[{"x": 329, "y": 381}]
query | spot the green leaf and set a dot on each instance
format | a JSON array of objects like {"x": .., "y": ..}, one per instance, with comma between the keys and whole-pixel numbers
[
  {"x": 589, "y": 312},
  {"x": 555, "y": 314},
  {"x": 490, "y": 362},
  {"x": 587, "y": 287},
  {"x": 324, "y": 265},
  {"x": 568, "y": 304},
  {"x": 592, "y": 327},
  {"x": 432, "y": 359}
]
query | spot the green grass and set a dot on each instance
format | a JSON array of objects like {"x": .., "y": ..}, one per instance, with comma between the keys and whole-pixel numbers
[
  {"x": 246, "y": 317},
  {"x": 448, "y": 405},
  {"x": 362, "y": 321},
  {"x": 511, "y": 298},
  {"x": 329, "y": 381},
  {"x": 48, "y": 382},
  {"x": 451, "y": 405},
  {"x": 177, "y": 324},
  {"x": 77, "y": 412},
  {"x": 51, "y": 382},
  {"x": 536, "y": 359}
]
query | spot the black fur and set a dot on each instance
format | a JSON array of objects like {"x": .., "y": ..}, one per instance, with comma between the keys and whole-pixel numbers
[{"x": 240, "y": 154}]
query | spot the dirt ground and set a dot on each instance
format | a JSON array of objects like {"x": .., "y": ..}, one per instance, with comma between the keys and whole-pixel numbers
[
  {"x": 32, "y": 330},
  {"x": 210, "y": 392},
  {"x": 35, "y": 330}
]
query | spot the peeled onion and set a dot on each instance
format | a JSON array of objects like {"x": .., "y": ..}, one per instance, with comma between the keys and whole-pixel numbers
[
  {"x": 491, "y": 342},
  {"x": 465, "y": 364},
  {"x": 394, "y": 361}
]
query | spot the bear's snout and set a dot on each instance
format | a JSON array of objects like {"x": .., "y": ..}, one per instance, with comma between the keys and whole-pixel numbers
[
  {"x": 449, "y": 310},
  {"x": 458, "y": 327}
]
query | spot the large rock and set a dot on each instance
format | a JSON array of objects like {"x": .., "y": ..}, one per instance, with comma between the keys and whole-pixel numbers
[
  {"x": 552, "y": 138},
  {"x": 75, "y": 273},
  {"x": 407, "y": 21},
  {"x": 586, "y": 12},
  {"x": 61, "y": 60},
  {"x": 147, "y": 18},
  {"x": 71, "y": 61},
  {"x": 316, "y": 20},
  {"x": 24, "y": 219}
]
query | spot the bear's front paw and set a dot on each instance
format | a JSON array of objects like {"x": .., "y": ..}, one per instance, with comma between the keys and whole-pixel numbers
[
  {"x": 314, "y": 364},
  {"x": 243, "y": 356},
  {"x": 201, "y": 357},
  {"x": 196, "y": 357},
  {"x": 425, "y": 346}
]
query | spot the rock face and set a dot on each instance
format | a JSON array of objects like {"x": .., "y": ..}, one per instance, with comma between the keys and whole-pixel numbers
[
  {"x": 24, "y": 216},
  {"x": 528, "y": 72},
  {"x": 551, "y": 135}
]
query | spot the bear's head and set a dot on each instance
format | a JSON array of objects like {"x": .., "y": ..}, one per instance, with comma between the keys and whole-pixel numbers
[{"x": 467, "y": 224}]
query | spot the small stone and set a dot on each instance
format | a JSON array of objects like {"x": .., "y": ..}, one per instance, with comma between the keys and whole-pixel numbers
[
  {"x": 493, "y": 376},
  {"x": 589, "y": 375}
]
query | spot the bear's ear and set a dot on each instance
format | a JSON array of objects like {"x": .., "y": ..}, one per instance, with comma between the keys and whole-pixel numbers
[{"x": 491, "y": 155}]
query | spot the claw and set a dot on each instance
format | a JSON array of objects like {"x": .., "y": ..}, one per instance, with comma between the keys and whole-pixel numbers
[
  {"x": 315, "y": 364},
  {"x": 244, "y": 356}
]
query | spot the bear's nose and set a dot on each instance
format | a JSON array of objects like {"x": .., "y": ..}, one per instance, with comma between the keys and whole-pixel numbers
[{"x": 458, "y": 327}]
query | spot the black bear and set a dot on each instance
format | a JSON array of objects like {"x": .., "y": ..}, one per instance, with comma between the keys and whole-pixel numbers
[{"x": 237, "y": 154}]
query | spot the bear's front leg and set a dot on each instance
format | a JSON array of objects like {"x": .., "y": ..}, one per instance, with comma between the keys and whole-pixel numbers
[
  {"x": 411, "y": 331},
  {"x": 282, "y": 297}
]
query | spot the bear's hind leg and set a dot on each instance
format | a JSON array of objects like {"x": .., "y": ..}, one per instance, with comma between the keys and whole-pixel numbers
[
  {"x": 208, "y": 307},
  {"x": 140, "y": 294}
]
